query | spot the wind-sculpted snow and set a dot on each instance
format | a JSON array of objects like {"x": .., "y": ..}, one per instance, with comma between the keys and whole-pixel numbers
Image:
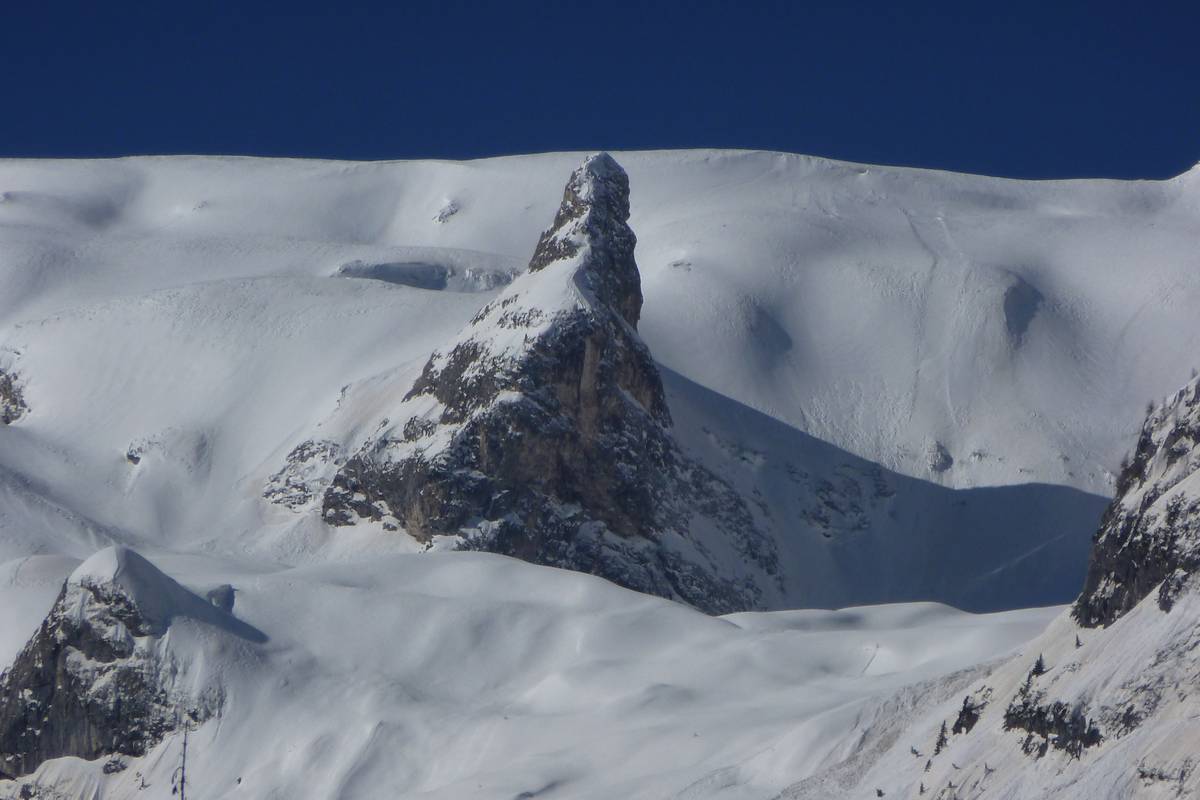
[{"x": 965, "y": 331}]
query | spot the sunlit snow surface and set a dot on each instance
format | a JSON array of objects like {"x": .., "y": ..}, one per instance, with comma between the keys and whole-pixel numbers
[
  {"x": 205, "y": 314},
  {"x": 472, "y": 675}
]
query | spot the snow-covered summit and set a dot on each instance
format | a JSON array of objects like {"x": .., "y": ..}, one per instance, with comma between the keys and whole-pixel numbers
[
  {"x": 101, "y": 676},
  {"x": 119, "y": 573},
  {"x": 592, "y": 236}
]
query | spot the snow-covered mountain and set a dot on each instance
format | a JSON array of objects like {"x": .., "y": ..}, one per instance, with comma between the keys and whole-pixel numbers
[
  {"x": 100, "y": 678},
  {"x": 542, "y": 432},
  {"x": 811, "y": 384},
  {"x": 178, "y": 326}
]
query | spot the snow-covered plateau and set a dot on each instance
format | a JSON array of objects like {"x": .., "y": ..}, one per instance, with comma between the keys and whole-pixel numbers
[{"x": 255, "y": 414}]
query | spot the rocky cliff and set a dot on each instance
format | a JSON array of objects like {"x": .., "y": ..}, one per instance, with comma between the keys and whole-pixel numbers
[
  {"x": 1149, "y": 540},
  {"x": 99, "y": 677}
]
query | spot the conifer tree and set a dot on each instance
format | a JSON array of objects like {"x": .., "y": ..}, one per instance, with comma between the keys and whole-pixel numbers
[{"x": 941, "y": 740}]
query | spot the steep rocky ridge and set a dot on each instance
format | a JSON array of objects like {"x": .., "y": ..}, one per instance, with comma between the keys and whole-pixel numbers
[{"x": 1150, "y": 537}]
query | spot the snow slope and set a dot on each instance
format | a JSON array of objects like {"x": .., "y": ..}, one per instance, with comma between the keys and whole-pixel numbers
[
  {"x": 1145, "y": 664},
  {"x": 1103, "y": 703},
  {"x": 475, "y": 675}
]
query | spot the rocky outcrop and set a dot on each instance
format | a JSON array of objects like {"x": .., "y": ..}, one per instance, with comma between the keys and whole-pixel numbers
[
  {"x": 98, "y": 677},
  {"x": 543, "y": 431},
  {"x": 12, "y": 399},
  {"x": 1049, "y": 723},
  {"x": 1149, "y": 539},
  {"x": 293, "y": 486}
]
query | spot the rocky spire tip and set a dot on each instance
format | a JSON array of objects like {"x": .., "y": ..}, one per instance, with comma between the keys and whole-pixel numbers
[
  {"x": 594, "y": 214},
  {"x": 595, "y": 203}
]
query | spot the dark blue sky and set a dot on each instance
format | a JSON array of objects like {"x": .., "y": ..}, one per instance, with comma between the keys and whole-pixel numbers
[{"x": 1052, "y": 89}]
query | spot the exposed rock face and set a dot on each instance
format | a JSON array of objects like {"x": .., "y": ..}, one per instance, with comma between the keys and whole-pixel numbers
[
  {"x": 97, "y": 678},
  {"x": 1150, "y": 534},
  {"x": 292, "y": 485},
  {"x": 12, "y": 400},
  {"x": 543, "y": 432},
  {"x": 594, "y": 213}
]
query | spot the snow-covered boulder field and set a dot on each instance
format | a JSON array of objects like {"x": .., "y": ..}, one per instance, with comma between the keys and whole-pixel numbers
[{"x": 251, "y": 409}]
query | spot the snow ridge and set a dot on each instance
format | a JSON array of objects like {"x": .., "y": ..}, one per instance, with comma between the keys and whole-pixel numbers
[{"x": 101, "y": 677}]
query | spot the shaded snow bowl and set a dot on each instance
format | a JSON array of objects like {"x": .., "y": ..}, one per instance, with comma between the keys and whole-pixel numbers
[{"x": 1021, "y": 303}]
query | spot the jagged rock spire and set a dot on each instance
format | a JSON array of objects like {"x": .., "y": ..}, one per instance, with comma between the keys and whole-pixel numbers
[
  {"x": 542, "y": 431},
  {"x": 590, "y": 249},
  {"x": 591, "y": 233}
]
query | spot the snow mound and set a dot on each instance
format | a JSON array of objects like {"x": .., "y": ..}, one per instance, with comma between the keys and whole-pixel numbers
[{"x": 157, "y": 597}]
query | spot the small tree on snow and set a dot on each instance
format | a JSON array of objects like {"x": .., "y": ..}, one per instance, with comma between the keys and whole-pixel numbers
[
  {"x": 1039, "y": 666},
  {"x": 941, "y": 740}
]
